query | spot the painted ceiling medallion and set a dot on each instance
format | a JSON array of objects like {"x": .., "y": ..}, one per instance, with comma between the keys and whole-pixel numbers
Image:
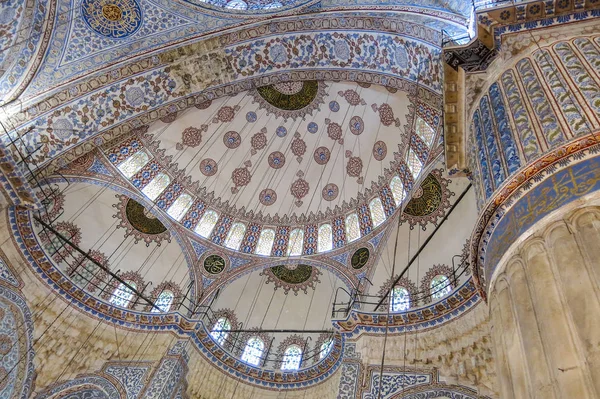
[
  {"x": 214, "y": 264},
  {"x": 267, "y": 197},
  {"x": 116, "y": 19},
  {"x": 299, "y": 188},
  {"x": 330, "y": 192},
  {"x": 379, "y": 150},
  {"x": 360, "y": 258},
  {"x": 208, "y": 167},
  {"x": 429, "y": 202},
  {"x": 139, "y": 222},
  {"x": 292, "y": 277},
  {"x": 334, "y": 131},
  {"x": 291, "y": 100}
]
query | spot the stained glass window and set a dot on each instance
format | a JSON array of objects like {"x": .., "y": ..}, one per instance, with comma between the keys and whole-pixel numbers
[
  {"x": 207, "y": 223},
  {"x": 296, "y": 242},
  {"x": 400, "y": 300},
  {"x": 220, "y": 330},
  {"x": 325, "y": 348},
  {"x": 156, "y": 186},
  {"x": 133, "y": 164},
  {"x": 352, "y": 227},
  {"x": 163, "y": 302},
  {"x": 291, "y": 358},
  {"x": 414, "y": 163},
  {"x": 122, "y": 295},
  {"x": 265, "y": 242},
  {"x": 424, "y": 131},
  {"x": 397, "y": 190},
  {"x": 180, "y": 206},
  {"x": 440, "y": 286},
  {"x": 325, "y": 241},
  {"x": 235, "y": 235},
  {"x": 253, "y": 351},
  {"x": 377, "y": 213}
]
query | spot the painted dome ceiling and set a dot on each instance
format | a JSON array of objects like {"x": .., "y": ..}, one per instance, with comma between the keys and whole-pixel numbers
[{"x": 297, "y": 154}]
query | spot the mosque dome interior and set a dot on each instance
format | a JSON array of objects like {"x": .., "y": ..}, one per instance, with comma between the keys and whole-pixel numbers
[{"x": 214, "y": 199}]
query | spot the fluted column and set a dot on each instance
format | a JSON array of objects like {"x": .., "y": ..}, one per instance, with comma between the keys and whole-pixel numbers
[{"x": 545, "y": 310}]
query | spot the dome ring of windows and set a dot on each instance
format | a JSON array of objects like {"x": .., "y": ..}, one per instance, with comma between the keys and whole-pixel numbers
[{"x": 332, "y": 232}]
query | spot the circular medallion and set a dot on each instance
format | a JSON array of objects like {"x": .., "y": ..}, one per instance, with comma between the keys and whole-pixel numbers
[
  {"x": 359, "y": 258},
  {"x": 281, "y": 131},
  {"x": 116, "y": 19},
  {"x": 214, "y": 264},
  {"x": 330, "y": 192},
  {"x": 379, "y": 150},
  {"x": 292, "y": 275},
  {"x": 267, "y": 197},
  {"x": 429, "y": 202},
  {"x": 426, "y": 199},
  {"x": 251, "y": 116},
  {"x": 232, "y": 139},
  {"x": 142, "y": 220},
  {"x": 276, "y": 160},
  {"x": 322, "y": 155},
  {"x": 334, "y": 106},
  {"x": 208, "y": 167},
  {"x": 290, "y": 96},
  {"x": 356, "y": 125},
  {"x": 312, "y": 127}
]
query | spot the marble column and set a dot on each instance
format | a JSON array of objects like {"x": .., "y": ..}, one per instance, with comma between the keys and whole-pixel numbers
[{"x": 544, "y": 302}]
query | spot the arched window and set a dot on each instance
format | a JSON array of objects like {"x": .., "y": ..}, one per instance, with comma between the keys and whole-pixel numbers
[
  {"x": 180, "y": 206},
  {"x": 122, "y": 295},
  {"x": 325, "y": 240},
  {"x": 291, "y": 358},
  {"x": 134, "y": 164},
  {"x": 414, "y": 163},
  {"x": 352, "y": 227},
  {"x": 156, "y": 186},
  {"x": 400, "y": 299},
  {"x": 325, "y": 348},
  {"x": 207, "y": 223},
  {"x": 220, "y": 330},
  {"x": 235, "y": 236},
  {"x": 296, "y": 243},
  {"x": 377, "y": 213},
  {"x": 440, "y": 286},
  {"x": 163, "y": 302},
  {"x": 397, "y": 190},
  {"x": 253, "y": 351},
  {"x": 265, "y": 242},
  {"x": 424, "y": 131}
]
